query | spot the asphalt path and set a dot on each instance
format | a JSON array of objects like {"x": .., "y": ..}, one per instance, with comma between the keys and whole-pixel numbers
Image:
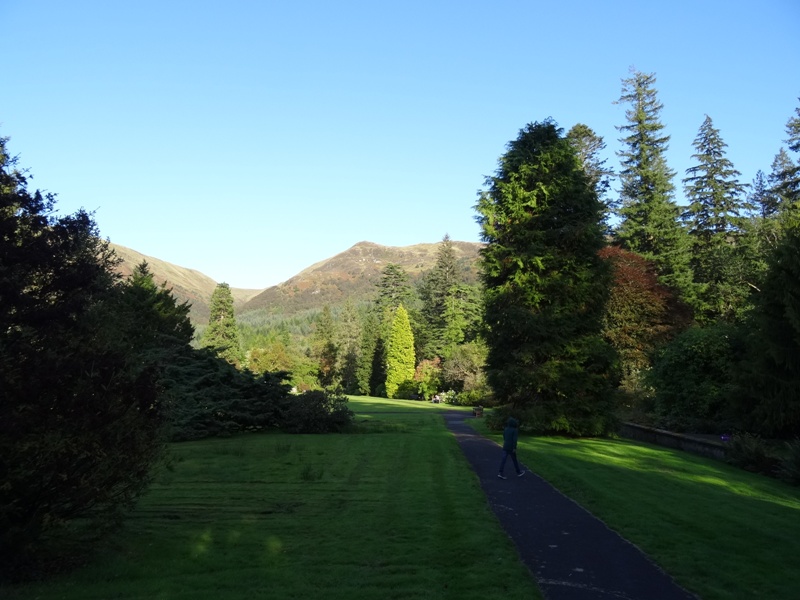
[{"x": 571, "y": 554}]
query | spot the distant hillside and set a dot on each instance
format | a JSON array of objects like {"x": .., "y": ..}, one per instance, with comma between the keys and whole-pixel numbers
[
  {"x": 350, "y": 274},
  {"x": 353, "y": 274},
  {"x": 187, "y": 285}
]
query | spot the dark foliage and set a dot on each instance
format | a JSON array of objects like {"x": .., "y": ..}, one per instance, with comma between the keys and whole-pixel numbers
[
  {"x": 80, "y": 405},
  {"x": 694, "y": 378},
  {"x": 317, "y": 411},
  {"x": 789, "y": 467},
  {"x": 210, "y": 397},
  {"x": 545, "y": 285},
  {"x": 749, "y": 452},
  {"x": 771, "y": 375}
]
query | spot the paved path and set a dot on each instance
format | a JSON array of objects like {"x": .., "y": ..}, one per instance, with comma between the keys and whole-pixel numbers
[{"x": 572, "y": 554}]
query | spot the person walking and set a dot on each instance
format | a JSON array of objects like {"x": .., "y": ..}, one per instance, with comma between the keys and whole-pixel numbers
[{"x": 510, "y": 435}]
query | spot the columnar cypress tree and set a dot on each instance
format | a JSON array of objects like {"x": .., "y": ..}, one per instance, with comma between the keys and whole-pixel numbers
[
  {"x": 545, "y": 285},
  {"x": 222, "y": 334},
  {"x": 400, "y": 359},
  {"x": 649, "y": 216},
  {"x": 715, "y": 220}
]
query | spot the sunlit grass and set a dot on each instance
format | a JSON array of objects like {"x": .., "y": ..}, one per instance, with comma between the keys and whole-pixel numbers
[
  {"x": 387, "y": 515},
  {"x": 722, "y": 532}
]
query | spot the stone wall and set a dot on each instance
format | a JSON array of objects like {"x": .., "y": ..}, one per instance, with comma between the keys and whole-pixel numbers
[{"x": 709, "y": 448}]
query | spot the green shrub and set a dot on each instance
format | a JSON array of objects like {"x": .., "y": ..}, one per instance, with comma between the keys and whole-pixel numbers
[
  {"x": 693, "y": 378},
  {"x": 749, "y": 452},
  {"x": 317, "y": 412},
  {"x": 789, "y": 468}
]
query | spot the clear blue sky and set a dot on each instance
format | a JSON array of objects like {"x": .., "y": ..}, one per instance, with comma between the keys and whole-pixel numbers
[{"x": 251, "y": 139}]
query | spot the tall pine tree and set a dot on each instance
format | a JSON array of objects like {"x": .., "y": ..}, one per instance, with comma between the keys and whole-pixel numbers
[
  {"x": 715, "y": 221},
  {"x": 434, "y": 290},
  {"x": 222, "y": 335},
  {"x": 649, "y": 215}
]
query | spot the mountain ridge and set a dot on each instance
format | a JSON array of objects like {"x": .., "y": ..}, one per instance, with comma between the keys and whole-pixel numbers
[{"x": 352, "y": 274}]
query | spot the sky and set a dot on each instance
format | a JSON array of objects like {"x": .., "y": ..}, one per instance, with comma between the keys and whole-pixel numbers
[{"x": 251, "y": 139}]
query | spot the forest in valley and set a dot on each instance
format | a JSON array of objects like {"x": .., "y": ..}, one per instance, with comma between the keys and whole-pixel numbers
[
  {"x": 689, "y": 309},
  {"x": 599, "y": 299}
]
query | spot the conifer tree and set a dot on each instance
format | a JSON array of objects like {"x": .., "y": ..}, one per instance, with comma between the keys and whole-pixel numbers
[
  {"x": 325, "y": 349},
  {"x": 782, "y": 185},
  {"x": 773, "y": 370},
  {"x": 222, "y": 334},
  {"x": 762, "y": 200},
  {"x": 787, "y": 171},
  {"x": 649, "y": 215},
  {"x": 394, "y": 288},
  {"x": 368, "y": 347},
  {"x": 589, "y": 145},
  {"x": 545, "y": 285},
  {"x": 81, "y": 397},
  {"x": 348, "y": 343},
  {"x": 400, "y": 358},
  {"x": 436, "y": 287},
  {"x": 715, "y": 221}
]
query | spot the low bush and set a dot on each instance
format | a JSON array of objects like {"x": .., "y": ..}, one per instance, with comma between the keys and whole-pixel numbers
[
  {"x": 317, "y": 412},
  {"x": 789, "y": 468},
  {"x": 749, "y": 452}
]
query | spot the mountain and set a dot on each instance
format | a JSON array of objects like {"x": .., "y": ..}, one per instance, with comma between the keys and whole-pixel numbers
[
  {"x": 349, "y": 274},
  {"x": 187, "y": 285}
]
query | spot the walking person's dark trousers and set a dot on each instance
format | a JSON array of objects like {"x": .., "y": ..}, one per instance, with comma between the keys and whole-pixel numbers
[{"x": 513, "y": 454}]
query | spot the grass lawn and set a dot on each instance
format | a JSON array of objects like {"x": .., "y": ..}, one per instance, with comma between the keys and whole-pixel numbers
[
  {"x": 721, "y": 532},
  {"x": 390, "y": 512}
]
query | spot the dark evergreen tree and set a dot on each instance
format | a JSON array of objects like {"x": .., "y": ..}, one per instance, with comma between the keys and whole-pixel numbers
[
  {"x": 348, "y": 343},
  {"x": 783, "y": 185},
  {"x": 772, "y": 372},
  {"x": 81, "y": 412},
  {"x": 463, "y": 317},
  {"x": 222, "y": 334},
  {"x": 589, "y": 145},
  {"x": 649, "y": 215},
  {"x": 437, "y": 285},
  {"x": 394, "y": 288},
  {"x": 368, "y": 347},
  {"x": 324, "y": 348},
  {"x": 788, "y": 172},
  {"x": 156, "y": 321},
  {"x": 546, "y": 286},
  {"x": 715, "y": 219},
  {"x": 762, "y": 201}
]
